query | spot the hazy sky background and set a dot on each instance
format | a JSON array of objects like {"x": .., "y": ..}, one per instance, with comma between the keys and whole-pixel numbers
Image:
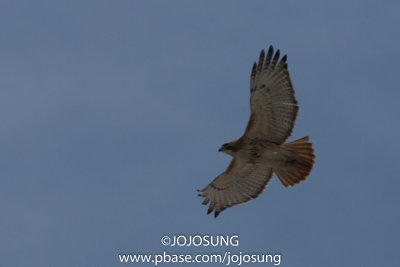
[{"x": 112, "y": 113}]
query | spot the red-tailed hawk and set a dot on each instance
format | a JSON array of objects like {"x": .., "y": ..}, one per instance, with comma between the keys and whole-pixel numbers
[{"x": 261, "y": 150}]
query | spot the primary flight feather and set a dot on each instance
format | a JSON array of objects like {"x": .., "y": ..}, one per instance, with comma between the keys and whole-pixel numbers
[{"x": 261, "y": 150}]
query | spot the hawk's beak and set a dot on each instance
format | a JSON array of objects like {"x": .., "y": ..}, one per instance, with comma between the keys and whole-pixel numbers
[{"x": 220, "y": 149}]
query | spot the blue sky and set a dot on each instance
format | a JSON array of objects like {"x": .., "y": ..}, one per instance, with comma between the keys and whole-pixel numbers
[{"x": 112, "y": 113}]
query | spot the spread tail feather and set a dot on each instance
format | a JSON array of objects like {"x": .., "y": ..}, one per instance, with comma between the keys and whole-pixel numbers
[{"x": 300, "y": 167}]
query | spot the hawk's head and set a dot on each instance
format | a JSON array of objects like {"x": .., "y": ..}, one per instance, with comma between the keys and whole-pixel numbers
[{"x": 228, "y": 148}]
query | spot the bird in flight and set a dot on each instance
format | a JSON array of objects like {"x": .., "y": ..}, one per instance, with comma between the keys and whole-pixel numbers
[{"x": 262, "y": 150}]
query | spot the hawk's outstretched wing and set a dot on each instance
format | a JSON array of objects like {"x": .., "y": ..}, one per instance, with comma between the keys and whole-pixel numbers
[
  {"x": 241, "y": 182},
  {"x": 272, "y": 101}
]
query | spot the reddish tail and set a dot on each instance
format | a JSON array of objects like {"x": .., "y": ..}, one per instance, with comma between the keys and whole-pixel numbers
[{"x": 300, "y": 167}]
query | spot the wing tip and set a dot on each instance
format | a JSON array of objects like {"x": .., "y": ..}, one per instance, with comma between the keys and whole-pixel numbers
[
  {"x": 253, "y": 70},
  {"x": 261, "y": 60},
  {"x": 270, "y": 49},
  {"x": 262, "y": 53},
  {"x": 276, "y": 58},
  {"x": 205, "y": 201},
  {"x": 269, "y": 56}
]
